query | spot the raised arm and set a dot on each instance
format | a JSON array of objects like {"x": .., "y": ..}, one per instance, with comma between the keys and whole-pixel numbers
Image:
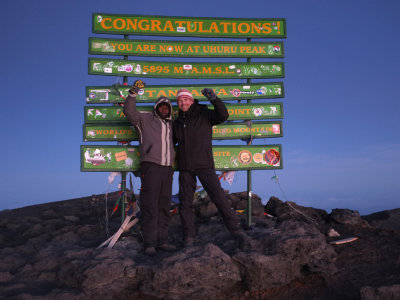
[
  {"x": 130, "y": 111},
  {"x": 220, "y": 113}
]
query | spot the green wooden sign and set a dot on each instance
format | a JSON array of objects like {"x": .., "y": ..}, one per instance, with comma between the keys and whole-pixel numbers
[
  {"x": 114, "y": 114},
  {"x": 245, "y": 130},
  {"x": 126, "y": 158},
  {"x": 188, "y": 26},
  {"x": 110, "y": 94},
  {"x": 184, "y": 48},
  {"x": 96, "y": 132},
  {"x": 164, "y": 69}
]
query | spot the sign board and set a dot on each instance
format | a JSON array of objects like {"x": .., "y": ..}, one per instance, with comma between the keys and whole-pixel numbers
[
  {"x": 185, "y": 48},
  {"x": 188, "y": 26},
  {"x": 127, "y": 158},
  {"x": 115, "y": 114},
  {"x": 97, "y": 132},
  {"x": 110, "y": 94},
  {"x": 138, "y": 68},
  {"x": 267, "y": 129}
]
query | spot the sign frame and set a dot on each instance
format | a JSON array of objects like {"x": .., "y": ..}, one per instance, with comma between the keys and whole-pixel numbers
[
  {"x": 235, "y": 110},
  {"x": 208, "y": 70},
  {"x": 244, "y": 91},
  {"x": 173, "y": 48},
  {"x": 244, "y": 157},
  {"x": 128, "y": 21},
  {"x": 220, "y": 132}
]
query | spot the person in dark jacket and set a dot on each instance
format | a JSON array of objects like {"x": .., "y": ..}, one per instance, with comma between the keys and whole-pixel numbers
[
  {"x": 157, "y": 155},
  {"x": 193, "y": 134}
]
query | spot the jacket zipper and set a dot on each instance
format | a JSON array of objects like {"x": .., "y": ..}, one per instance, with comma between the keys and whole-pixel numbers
[{"x": 166, "y": 143}]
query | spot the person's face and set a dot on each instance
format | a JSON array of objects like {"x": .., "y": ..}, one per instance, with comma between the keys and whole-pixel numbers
[
  {"x": 163, "y": 110},
  {"x": 184, "y": 103}
]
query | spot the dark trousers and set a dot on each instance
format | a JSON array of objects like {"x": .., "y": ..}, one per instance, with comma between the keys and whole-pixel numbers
[
  {"x": 155, "y": 202},
  {"x": 210, "y": 182}
]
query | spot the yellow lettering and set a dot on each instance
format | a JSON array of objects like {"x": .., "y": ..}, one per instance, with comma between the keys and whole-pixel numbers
[
  {"x": 121, "y": 22},
  {"x": 162, "y": 93},
  {"x": 168, "y": 26},
  {"x": 130, "y": 25},
  {"x": 139, "y": 48},
  {"x": 150, "y": 92},
  {"x": 103, "y": 23},
  {"x": 207, "y": 70},
  {"x": 180, "y": 23},
  {"x": 214, "y": 27},
  {"x": 222, "y": 92},
  {"x": 201, "y": 27},
  {"x": 155, "y": 25},
  {"x": 225, "y": 26},
  {"x": 239, "y": 111},
  {"x": 196, "y": 93},
  {"x": 144, "y": 25},
  {"x": 178, "y": 69},
  {"x": 191, "y": 26},
  {"x": 222, "y": 153},
  {"x": 233, "y": 27},
  {"x": 246, "y": 30},
  {"x": 172, "y": 93},
  {"x": 256, "y": 27},
  {"x": 267, "y": 28}
]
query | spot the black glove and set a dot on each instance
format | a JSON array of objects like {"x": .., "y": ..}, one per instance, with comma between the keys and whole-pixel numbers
[
  {"x": 136, "y": 87},
  {"x": 209, "y": 94}
]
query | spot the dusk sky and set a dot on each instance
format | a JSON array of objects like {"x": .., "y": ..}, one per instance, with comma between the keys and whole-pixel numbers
[{"x": 341, "y": 142}]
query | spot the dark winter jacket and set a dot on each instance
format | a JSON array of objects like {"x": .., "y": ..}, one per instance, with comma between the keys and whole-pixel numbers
[
  {"x": 156, "y": 144},
  {"x": 193, "y": 133}
]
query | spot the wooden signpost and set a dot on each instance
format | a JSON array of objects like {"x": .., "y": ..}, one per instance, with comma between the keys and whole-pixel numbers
[
  {"x": 255, "y": 91},
  {"x": 107, "y": 123}
]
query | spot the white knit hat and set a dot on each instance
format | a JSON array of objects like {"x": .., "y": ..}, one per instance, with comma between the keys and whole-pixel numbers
[{"x": 184, "y": 92}]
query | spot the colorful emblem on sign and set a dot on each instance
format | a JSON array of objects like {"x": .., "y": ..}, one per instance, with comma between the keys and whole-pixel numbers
[
  {"x": 245, "y": 157},
  {"x": 272, "y": 157},
  {"x": 258, "y": 158}
]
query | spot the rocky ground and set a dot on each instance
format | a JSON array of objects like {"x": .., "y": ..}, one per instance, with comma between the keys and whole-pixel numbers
[{"x": 50, "y": 251}]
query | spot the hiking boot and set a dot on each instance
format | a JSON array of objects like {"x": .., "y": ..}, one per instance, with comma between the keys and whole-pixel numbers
[
  {"x": 243, "y": 239},
  {"x": 150, "y": 251},
  {"x": 167, "y": 247},
  {"x": 188, "y": 242}
]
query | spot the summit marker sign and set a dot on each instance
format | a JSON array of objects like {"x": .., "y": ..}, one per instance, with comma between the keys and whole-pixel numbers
[{"x": 183, "y": 26}]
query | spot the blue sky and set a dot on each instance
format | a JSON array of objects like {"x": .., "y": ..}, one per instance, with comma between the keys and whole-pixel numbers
[{"x": 341, "y": 146}]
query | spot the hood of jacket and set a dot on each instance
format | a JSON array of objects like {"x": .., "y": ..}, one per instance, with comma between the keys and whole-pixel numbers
[{"x": 163, "y": 100}]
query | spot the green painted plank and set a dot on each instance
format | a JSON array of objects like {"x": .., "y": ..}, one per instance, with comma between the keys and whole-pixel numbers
[
  {"x": 188, "y": 26},
  {"x": 96, "y": 132},
  {"x": 138, "y": 68},
  {"x": 126, "y": 158},
  {"x": 253, "y": 111},
  {"x": 262, "y": 90},
  {"x": 135, "y": 47}
]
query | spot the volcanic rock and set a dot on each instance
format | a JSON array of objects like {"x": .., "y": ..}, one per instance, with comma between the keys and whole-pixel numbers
[{"x": 51, "y": 251}]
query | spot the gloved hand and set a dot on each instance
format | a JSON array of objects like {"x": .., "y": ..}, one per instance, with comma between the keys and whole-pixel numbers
[
  {"x": 136, "y": 87},
  {"x": 209, "y": 94}
]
